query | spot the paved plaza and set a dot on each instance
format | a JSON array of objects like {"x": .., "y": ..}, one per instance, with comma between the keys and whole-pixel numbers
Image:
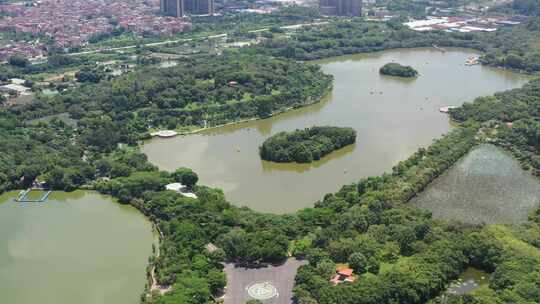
[{"x": 270, "y": 284}]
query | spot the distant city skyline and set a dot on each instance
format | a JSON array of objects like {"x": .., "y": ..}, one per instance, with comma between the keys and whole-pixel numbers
[
  {"x": 180, "y": 8},
  {"x": 341, "y": 7}
]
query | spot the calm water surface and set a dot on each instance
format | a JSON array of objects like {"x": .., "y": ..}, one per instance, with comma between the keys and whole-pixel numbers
[
  {"x": 78, "y": 247},
  {"x": 393, "y": 118},
  {"x": 470, "y": 280},
  {"x": 486, "y": 186}
]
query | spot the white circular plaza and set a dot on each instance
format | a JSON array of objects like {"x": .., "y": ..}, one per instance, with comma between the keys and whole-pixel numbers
[{"x": 262, "y": 291}]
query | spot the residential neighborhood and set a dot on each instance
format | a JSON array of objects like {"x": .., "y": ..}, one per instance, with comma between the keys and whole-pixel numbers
[{"x": 74, "y": 23}]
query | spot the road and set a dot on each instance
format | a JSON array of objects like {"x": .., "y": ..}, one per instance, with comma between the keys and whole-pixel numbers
[
  {"x": 146, "y": 44},
  {"x": 294, "y": 26}
]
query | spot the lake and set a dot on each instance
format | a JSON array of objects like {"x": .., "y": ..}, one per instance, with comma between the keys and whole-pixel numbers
[
  {"x": 486, "y": 186},
  {"x": 393, "y": 117},
  {"x": 78, "y": 247}
]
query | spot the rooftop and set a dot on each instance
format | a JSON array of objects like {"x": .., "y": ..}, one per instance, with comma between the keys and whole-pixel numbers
[{"x": 182, "y": 189}]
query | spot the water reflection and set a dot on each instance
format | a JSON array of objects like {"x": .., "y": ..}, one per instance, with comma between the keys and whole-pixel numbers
[
  {"x": 78, "y": 247},
  {"x": 297, "y": 167},
  {"x": 393, "y": 118},
  {"x": 479, "y": 187},
  {"x": 264, "y": 126},
  {"x": 470, "y": 280}
]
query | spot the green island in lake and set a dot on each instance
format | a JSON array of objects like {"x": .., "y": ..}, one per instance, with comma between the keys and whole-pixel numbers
[
  {"x": 305, "y": 146},
  {"x": 396, "y": 69}
]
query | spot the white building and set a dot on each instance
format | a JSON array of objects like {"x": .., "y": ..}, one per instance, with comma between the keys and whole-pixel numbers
[{"x": 178, "y": 187}]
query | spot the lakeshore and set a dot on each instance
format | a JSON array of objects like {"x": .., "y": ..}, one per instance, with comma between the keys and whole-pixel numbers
[
  {"x": 393, "y": 119},
  {"x": 84, "y": 244},
  {"x": 302, "y": 111},
  {"x": 174, "y": 133}
]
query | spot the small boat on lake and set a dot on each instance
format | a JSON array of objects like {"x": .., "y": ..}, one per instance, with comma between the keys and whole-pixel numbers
[{"x": 472, "y": 61}]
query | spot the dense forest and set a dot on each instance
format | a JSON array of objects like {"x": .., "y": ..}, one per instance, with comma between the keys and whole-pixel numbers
[
  {"x": 515, "y": 117},
  {"x": 522, "y": 7},
  {"x": 305, "y": 146},
  {"x": 396, "y": 69},
  {"x": 199, "y": 92},
  {"x": 355, "y": 36},
  {"x": 513, "y": 47}
]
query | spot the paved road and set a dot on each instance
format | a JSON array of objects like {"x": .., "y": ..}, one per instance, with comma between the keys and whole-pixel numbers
[
  {"x": 294, "y": 26},
  {"x": 146, "y": 44}
]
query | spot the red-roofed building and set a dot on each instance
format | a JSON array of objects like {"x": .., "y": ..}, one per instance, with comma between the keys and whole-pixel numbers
[
  {"x": 347, "y": 272},
  {"x": 343, "y": 275}
]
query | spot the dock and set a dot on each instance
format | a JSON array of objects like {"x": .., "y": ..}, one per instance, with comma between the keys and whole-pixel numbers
[
  {"x": 439, "y": 48},
  {"x": 23, "y": 196}
]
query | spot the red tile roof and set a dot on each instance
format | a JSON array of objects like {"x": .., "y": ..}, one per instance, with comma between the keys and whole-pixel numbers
[{"x": 345, "y": 272}]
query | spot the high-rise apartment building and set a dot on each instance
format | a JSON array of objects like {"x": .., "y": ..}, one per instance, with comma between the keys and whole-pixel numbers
[
  {"x": 199, "y": 7},
  {"x": 180, "y": 8},
  {"x": 173, "y": 8},
  {"x": 351, "y": 8}
]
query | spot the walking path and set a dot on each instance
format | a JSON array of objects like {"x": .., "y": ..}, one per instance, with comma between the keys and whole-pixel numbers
[{"x": 294, "y": 26}]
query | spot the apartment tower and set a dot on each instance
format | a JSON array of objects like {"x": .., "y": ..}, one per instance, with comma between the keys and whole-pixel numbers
[
  {"x": 352, "y": 8},
  {"x": 180, "y": 8}
]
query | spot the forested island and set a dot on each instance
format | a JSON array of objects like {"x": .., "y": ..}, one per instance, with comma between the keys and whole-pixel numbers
[
  {"x": 396, "y": 69},
  {"x": 305, "y": 146},
  {"x": 511, "y": 47}
]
